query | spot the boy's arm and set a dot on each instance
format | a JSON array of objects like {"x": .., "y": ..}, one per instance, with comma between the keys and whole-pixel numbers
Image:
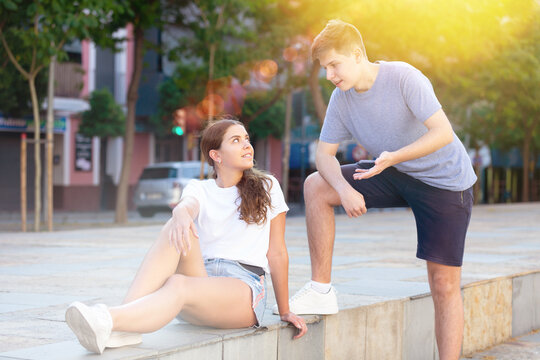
[
  {"x": 329, "y": 168},
  {"x": 439, "y": 134}
]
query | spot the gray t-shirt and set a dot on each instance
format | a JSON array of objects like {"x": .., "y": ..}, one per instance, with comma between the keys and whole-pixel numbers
[{"x": 389, "y": 116}]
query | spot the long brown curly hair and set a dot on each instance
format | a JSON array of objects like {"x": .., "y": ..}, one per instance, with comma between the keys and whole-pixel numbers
[{"x": 254, "y": 187}]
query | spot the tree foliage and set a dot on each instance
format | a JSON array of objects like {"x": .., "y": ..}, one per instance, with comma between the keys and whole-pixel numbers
[
  {"x": 182, "y": 89},
  {"x": 33, "y": 33},
  {"x": 105, "y": 117},
  {"x": 241, "y": 40},
  {"x": 15, "y": 100},
  {"x": 269, "y": 122},
  {"x": 482, "y": 57},
  {"x": 38, "y": 30},
  {"x": 141, "y": 15}
]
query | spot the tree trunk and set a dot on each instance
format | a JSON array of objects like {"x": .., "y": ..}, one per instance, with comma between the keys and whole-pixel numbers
[
  {"x": 477, "y": 185},
  {"x": 49, "y": 147},
  {"x": 211, "y": 65},
  {"x": 534, "y": 187},
  {"x": 37, "y": 152},
  {"x": 316, "y": 93},
  {"x": 490, "y": 185},
  {"x": 23, "y": 182},
  {"x": 210, "y": 98},
  {"x": 247, "y": 119},
  {"x": 287, "y": 146},
  {"x": 526, "y": 153},
  {"x": 123, "y": 186},
  {"x": 210, "y": 87}
]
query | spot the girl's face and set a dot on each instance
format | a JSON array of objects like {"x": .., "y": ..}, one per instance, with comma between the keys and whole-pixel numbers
[{"x": 236, "y": 151}]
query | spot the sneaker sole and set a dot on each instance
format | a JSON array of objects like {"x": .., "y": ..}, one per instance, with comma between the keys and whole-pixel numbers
[
  {"x": 75, "y": 318},
  {"x": 318, "y": 312},
  {"x": 119, "y": 339},
  {"x": 328, "y": 311}
]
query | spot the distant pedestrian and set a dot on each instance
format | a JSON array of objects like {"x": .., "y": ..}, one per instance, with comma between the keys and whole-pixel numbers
[
  {"x": 209, "y": 264},
  {"x": 390, "y": 108}
]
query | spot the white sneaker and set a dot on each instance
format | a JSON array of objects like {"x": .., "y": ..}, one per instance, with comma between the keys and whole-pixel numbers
[
  {"x": 308, "y": 301},
  {"x": 92, "y": 325},
  {"x": 123, "y": 338}
]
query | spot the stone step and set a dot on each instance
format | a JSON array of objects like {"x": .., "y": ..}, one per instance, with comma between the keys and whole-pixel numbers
[{"x": 495, "y": 310}]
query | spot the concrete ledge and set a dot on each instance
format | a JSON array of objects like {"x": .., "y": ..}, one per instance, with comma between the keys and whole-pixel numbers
[
  {"x": 488, "y": 314},
  {"x": 387, "y": 312},
  {"x": 525, "y": 303},
  {"x": 495, "y": 310}
]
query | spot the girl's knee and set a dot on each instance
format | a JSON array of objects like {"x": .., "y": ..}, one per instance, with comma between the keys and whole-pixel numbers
[{"x": 177, "y": 281}]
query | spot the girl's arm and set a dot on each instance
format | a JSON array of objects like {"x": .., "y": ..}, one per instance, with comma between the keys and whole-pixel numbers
[
  {"x": 181, "y": 224},
  {"x": 278, "y": 260}
]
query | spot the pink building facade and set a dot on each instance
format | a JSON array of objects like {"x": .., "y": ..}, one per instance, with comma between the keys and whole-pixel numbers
[{"x": 85, "y": 170}]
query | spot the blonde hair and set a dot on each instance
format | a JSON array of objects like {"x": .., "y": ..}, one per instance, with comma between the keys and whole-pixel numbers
[{"x": 343, "y": 37}]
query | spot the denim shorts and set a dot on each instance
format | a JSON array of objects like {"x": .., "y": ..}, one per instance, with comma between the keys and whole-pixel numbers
[
  {"x": 442, "y": 216},
  {"x": 231, "y": 268}
]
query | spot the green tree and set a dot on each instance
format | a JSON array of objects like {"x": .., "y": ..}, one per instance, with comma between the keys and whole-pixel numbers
[
  {"x": 267, "y": 123},
  {"x": 14, "y": 91},
  {"x": 183, "y": 88},
  {"x": 34, "y": 32},
  {"x": 225, "y": 41},
  {"x": 142, "y": 15},
  {"x": 470, "y": 51},
  {"x": 104, "y": 118},
  {"x": 495, "y": 101},
  {"x": 512, "y": 86},
  {"x": 217, "y": 31},
  {"x": 310, "y": 17}
]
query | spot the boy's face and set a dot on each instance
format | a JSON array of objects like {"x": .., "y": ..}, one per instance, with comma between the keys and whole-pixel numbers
[{"x": 344, "y": 71}]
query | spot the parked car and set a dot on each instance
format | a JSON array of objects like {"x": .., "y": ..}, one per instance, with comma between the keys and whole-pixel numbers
[{"x": 160, "y": 185}]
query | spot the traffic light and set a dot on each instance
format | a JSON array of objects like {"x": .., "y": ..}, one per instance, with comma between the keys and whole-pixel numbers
[
  {"x": 179, "y": 122},
  {"x": 177, "y": 130}
]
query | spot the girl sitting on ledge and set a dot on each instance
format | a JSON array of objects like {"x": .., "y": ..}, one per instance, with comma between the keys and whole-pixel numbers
[{"x": 210, "y": 260}]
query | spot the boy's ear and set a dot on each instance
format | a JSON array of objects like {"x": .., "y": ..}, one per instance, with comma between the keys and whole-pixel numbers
[{"x": 358, "y": 54}]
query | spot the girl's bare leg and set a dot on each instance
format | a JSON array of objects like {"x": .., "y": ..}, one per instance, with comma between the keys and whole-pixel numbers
[
  {"x": 167, "y": 283},
  {"x": 162, "y": 261},
  {"x": 214, "y": 301}
]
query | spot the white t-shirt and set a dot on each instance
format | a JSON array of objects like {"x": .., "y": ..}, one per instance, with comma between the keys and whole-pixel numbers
[{"x": 221, "y": 233}]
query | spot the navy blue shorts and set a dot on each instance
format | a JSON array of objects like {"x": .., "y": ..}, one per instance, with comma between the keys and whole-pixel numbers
[{"x": 442, "y": 216}]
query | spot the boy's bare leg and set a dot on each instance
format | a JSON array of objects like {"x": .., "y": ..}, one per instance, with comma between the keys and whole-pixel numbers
[
  {"x": 445, "y": 284},
  {"x": 320, "y": 200}
]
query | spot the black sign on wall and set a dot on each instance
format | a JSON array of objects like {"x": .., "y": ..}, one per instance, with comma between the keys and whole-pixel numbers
[{"x": 83, "y": 153}]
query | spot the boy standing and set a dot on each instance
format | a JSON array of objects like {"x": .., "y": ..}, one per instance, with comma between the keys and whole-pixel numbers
[{"x": 391, "y": 109}]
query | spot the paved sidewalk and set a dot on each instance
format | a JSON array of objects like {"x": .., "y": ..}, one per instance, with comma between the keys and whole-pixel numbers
[
  {"x": 73, "y": 220},
  {"x": 374, "y": 260},
  {"x": 70, "y": 220},
  {"x": 522, "y": 348}
]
